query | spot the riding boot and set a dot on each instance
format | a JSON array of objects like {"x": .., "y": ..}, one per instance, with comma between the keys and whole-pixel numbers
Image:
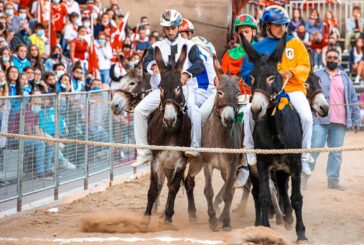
[{"x": 242, "y": 177}]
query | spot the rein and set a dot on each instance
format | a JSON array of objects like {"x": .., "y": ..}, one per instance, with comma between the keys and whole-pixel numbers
[{"x": 136, "y": 97}]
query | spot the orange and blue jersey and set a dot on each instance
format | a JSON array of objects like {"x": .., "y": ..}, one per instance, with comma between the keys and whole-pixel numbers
[{"x": 295, "y": 59}]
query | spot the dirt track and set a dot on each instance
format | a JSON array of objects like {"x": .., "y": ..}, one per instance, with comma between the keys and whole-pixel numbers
[{"x": 331, "y": 217}]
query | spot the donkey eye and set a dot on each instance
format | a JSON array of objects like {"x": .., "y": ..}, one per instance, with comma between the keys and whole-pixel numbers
[
  {"x": 271, "y": 79},
  {"x": 132, "y": 83},
  {"x": 307, "y": 85},
  {"x": 221, "y": 94},
  {"x": 177, "y": 90}
]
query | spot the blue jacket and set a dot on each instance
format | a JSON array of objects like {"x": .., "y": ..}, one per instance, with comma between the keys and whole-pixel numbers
[
  {"x": 352, "y": 111},
  {"x": 21, "y": 64},
  {"x": 47, "y": 121}
]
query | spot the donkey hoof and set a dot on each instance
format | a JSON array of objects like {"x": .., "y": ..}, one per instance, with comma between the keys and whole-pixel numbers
[
  {"x": 288, "y": 222},
  {"x": 302, "y": 239},
  {"x": 166, "y": 225},
  {"x": 226, "y": 228},
  {"x": 214, "y": 227}
]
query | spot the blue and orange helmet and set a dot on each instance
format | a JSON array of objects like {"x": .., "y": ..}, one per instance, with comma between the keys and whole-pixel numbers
[{"x": 275, "y": 15}]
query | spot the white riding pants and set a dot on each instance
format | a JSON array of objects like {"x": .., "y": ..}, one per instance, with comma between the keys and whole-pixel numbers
[
  {"x": 300, "y": 103},
  {"x": 149, "y": 104}
]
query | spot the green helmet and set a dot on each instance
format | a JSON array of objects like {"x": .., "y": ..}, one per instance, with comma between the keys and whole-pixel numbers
[{"x": 245, "y": 20}]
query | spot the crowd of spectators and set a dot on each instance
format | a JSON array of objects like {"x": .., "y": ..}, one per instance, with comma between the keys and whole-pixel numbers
[{"x": 47, "y": 48}]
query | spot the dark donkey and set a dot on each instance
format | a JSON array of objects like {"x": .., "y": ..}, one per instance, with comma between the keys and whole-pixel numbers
[
  {"x": 279, "y": 131},
  {"x": 222, "y": 131},
  {"x": 169, "y": 125}
]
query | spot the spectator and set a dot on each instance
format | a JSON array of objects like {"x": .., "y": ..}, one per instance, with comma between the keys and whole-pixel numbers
[
  {"x": 79, "y": 47},
  {"x": 142, "y": 43},
  {"x": 317, "y": 44},
  {"x": 55, "y": 58},
  {"x": 46, "y": 8},
  {"x": 105, "y": 26},
  {"x": 354, "y": 26},
  {"x": 21, "y": 37},
  {"x": 59, "y": 13},
  {"x": 43, "y": 151},
  {"x": 73, "y": 7},
  {"x": 13, "y": 22},
  {"x": 152, "y": 40},
  {"x": 30, "y": 75},
  {"x": 12, "y": 80},
  {"x": 104, "y": 55},
  {"x": 65, "y": 83},
  {"x": 314, "y": 23},
  {"x": 77, "y": 83},
  {"x": 118, "y": 71},
  {"x": 331, "y": 44},
  {"x": 4, "y": 109},
  {"x": 8, "y": 37},
  {"x": 39, "y": 84},
  {"x": 88, "y": 81},
  {"x": 37, "y": 39},
  {"x": 70, "y": 31},
  {"x": 6, "y": 59},
  {"x": 343, "y": 113},
  {"x": 19, "y": 59},
  {"x": 302, "y": 35},
  {"x": 22, "y": 13},
  {"x": 127, "y": 48},
  {"x": 356, "y": 59},
  {"x": 329, "y": 25},
  {"x": 50, "y": 80},
  {"x": 116, "y": 9},
  {"x": 59, "y": 69},
  {"x": 296, "y": 21},
  {"x": 24, "y": 83},
  {"x": 35, "y": 57}
]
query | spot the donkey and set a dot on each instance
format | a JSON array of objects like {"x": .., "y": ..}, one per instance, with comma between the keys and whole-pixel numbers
[
  {"x": 169, "y": 125},
  {"x": 131, "y": 90},
  {"x": 281, "y": 131},
  {"x": 221, "y": 131}
]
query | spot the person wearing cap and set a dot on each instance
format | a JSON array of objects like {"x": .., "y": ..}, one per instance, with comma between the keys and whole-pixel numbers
[
  {"x": 205, "y": 79},
  {"x": 171, "y": 48},
  {"x": 294, "y": 66}
]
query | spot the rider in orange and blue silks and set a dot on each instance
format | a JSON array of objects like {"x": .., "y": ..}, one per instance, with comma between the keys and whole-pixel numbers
[{"x": 294, "y": 66}]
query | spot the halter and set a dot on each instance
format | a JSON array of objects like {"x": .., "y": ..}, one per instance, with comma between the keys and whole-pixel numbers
[
  {"x": 314, "y": 93},
  {"x": 136, "y": 97}
]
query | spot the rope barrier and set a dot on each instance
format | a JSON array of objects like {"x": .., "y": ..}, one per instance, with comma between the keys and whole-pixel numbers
[{"x": 180, "y": 148}]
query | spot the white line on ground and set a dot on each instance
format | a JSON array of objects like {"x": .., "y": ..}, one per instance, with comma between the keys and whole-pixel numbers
[{"x": 166, "y": 239}]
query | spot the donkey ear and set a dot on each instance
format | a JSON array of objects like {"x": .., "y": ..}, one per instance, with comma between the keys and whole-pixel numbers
[
  {"x": 217, "y": 67},
  {"x": 309, "y": 51},
  {"x": 181, "y": 59},
  {"x": 253, "y": 55},
  {"x": 277, "y": 54},
  {"x": 159, "y": 59}
]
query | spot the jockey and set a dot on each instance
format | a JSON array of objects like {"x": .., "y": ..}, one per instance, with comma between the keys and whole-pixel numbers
[
  {"x": 170, "y": 48},
  {"x": 233, "y": 59},
  {"x": 205, "y": 80},
  {"x": 295, "y": 66}
]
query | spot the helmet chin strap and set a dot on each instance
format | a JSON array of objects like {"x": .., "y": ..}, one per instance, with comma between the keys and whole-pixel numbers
[{"x": 270, "y": 32}]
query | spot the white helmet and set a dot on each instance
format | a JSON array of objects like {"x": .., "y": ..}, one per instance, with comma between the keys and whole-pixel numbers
[{"x": 171, "y": 17}]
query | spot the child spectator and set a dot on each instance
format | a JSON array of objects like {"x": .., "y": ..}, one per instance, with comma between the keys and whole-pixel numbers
[
  {"x": 314, "y": 23},
  {"x": 354, "y": 26},
  {"x": 356, "y": 59}
]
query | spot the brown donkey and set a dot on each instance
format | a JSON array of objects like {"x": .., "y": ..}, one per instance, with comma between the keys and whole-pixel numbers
[{"x": 169, "y": 125}]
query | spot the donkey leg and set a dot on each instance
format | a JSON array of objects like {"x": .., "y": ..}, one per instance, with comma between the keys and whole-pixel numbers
[
  {"x": 264, "y": 194},
  {"x": 282, "y": 181},
  {"x": 189, "y": 186},
  {"x": 152, "y": 195},
  {"x": 255, "y": 191},
  {"x": 219, "y": 198},
  {"x": 173, "y": 187},
  {"x": 241, "y": 207},
  {"x": 296, "y": 199},
  {"x": 161, "y": 179},
  {"x": 228, "y": 198},
  {"x": 209, "y": 194}
]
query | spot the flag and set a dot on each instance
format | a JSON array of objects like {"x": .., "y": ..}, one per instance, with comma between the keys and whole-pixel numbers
[
  {"x": 93, "y": 63},
  {"x": 118, "y": 36},
  {"x": 133, "y": 45},
  {"x": 40, "y": 12},
  {"x": 52, "y": 31}
]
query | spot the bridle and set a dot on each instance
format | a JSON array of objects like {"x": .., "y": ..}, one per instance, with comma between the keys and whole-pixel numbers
[
  {"x": 272, "y": 97},
  {"x": 181, "y": 107},
  {"x": 217, "y": 108},
  {"x": 135, "y": 97},
  {"x": 313, "y": 95}
]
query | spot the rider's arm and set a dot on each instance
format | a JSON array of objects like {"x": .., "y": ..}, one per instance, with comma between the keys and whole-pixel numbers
[
  {"x": 149, "y": 61},
  {"x": 302, "y": 69},
  {"x": 196, "y": 63},
  {"x": 246, "y": 69}
]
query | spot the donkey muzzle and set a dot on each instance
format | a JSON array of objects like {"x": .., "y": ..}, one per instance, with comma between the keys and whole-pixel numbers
[
  {"x": 228, "y": 116},
  {"x": 118, "y": 105},
  {"x": 170, "y": 116},
  {"x": 259, "y": 105}
]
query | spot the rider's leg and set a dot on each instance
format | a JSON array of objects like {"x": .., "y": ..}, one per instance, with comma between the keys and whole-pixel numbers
[
  {"x": 300, "y": 103},
  {"x": 195, "y": 117},
  {"x": 141, "y": 114},
  {"x": 248, "y": 135},
  {"x": 206, "y": 108}
]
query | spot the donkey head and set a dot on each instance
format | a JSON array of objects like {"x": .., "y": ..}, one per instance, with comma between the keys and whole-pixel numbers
[
  {"x": 173, "y": 102},
  {"x": 266, "y": 80},
  {"x": 315, "y": 96},
  {"x": 131, "y": 90},
  {"x": 226, "y": 101}
]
